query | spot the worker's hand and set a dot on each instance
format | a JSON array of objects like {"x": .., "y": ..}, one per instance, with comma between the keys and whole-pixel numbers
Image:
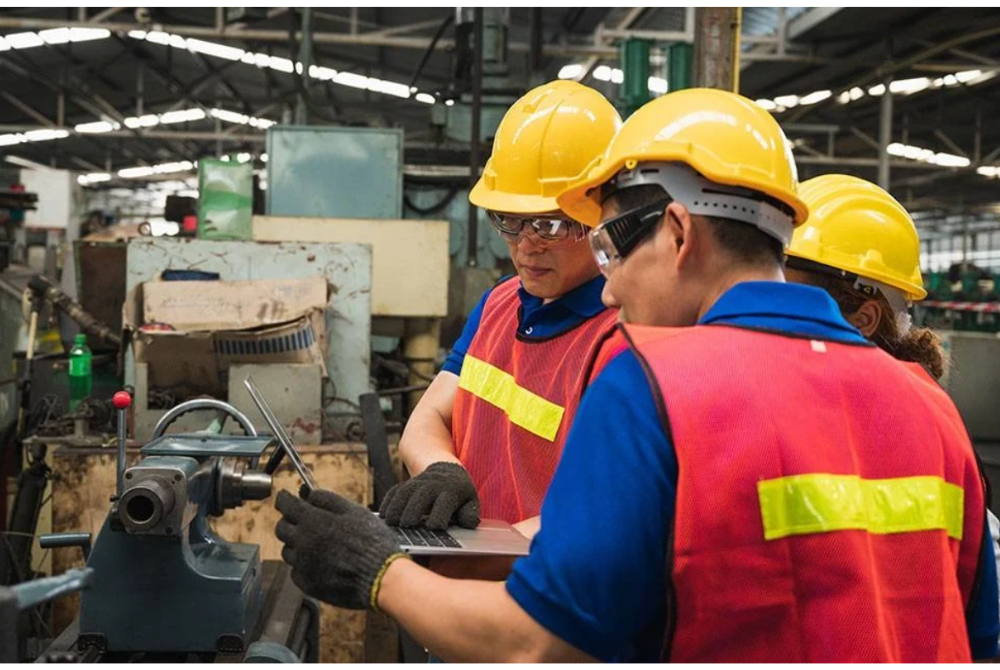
[
  {"x": 338, "y": 550},
  {"x": 439, "y": 496}
]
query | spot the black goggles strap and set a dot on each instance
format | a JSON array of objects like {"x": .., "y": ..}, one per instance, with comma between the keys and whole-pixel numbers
[
  {"x": 806, "y": 265},
  {"x": 627, "y": 230}
]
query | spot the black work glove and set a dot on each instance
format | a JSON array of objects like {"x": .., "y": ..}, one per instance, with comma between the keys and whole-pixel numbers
[
  {"x": 338, "y": 550},
  {"x": 439, "y": 496}
]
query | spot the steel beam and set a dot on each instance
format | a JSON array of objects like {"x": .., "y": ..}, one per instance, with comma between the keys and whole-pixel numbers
[
  {"x": 107, "y": 13},
  {"x": 266, "y": 35},
  {"x": 862, "y": 161},
  {"x": 591, "y": 62},
  {"x": 715, "y": 44},
  {"x": 884, "y": 134},
  {"x": 27, "y": 109},
  {"x": 940, "y": 134}
]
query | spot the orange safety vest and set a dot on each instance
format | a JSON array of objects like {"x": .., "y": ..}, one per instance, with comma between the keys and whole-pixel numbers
[
  {"x": 829, "y": 503},
  {"x": 515, "y": 403}
]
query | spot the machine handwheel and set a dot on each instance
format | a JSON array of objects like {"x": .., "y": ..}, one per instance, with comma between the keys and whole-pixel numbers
[{"x": 224, "y": 410}]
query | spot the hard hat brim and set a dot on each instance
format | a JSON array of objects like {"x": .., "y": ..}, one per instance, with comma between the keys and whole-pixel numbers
[
  {"x": 585, "y": 208},
  {"x": 511, "y": 203}
]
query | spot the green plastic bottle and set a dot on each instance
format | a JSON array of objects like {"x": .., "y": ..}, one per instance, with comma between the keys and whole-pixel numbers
[{"x": 80, "y": 371}]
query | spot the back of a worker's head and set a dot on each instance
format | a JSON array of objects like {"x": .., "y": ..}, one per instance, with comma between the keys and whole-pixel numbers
[
  {"x": 551, "y": 137},
  {"x": 861, "y": 246},
  {"x": 697, "y": 192}
]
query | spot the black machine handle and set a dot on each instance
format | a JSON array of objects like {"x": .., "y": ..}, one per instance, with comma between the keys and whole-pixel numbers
[{"x": 60, "y": 540}]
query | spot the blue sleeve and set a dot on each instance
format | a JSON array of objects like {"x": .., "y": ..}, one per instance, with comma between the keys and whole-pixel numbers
[
  {"x": 983, "y": 617},
  {"x": 456, "y": 357},
  {"x": 596, "y": 573}
]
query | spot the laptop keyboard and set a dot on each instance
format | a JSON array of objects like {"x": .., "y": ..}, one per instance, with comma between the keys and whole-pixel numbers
[{"x": 420, "y": 537}]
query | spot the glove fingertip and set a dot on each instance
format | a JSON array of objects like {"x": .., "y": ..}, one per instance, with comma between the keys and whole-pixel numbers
[
  {"x": 468, "y": 516},
  {"x": 384, "y": 507}
]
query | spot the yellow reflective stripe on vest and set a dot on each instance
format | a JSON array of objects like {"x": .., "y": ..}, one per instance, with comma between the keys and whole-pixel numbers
[
  {"x": 819, "y": 503},
  {"x": 524, "y": 408}
]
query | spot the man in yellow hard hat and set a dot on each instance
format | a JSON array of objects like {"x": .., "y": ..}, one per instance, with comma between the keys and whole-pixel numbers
[
  {"x": 486, "y": 437},
  {"x": 732, "y": 488}
]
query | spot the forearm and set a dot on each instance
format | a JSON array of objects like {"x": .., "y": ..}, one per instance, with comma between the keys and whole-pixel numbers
[
  {"x": 467, "y": 621},
  {"x": 426, "y": 440},
  {"x": 427, "y": 437}
]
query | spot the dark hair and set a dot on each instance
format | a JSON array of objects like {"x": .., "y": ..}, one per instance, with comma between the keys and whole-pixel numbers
[
  {"x": 920, "y": 345},
  {"x": 742, "y": 241}
]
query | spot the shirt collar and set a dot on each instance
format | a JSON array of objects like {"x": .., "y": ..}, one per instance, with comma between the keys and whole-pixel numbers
[
  {"x": 584, "y": 300},
  {"x": 763, "y": 300}
]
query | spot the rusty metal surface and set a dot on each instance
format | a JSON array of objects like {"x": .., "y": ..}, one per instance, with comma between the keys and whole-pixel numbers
[
  {"x": 347, "y": 268},
  {"x": 101, "y": 280}
]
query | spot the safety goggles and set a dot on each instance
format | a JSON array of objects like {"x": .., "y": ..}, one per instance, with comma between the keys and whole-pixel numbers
[
  {"x": 550, "y": 231},
  {"x": 615, "y": 239}
]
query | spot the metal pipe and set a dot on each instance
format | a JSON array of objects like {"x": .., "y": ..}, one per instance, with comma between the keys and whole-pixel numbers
[
  {"x": 884, "y": 135},
  {"x": 305, "y": 61},
  {"x": 477, "y": 109}
]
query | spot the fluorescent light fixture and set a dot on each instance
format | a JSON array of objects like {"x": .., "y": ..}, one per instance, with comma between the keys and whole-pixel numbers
[
  {"x": 927, "y": 155},
  {"x": 45, "y": 135},
  {"x": 909, "y": 86},
  {"x": 96, "y": 127},
  {"x": 281, "y": 64},
  {"x": 571, "y": 71},
  {"x": 55, "y": 36},
  {"x": 182, "y": 115},
  {"x": 657, "y": 85},
  {"x": 263, "y": 158},
  {"x": 766, "y": 104},
  {"x": 93, "y": 178},
  {"x": 814, "y": 97},
  {"x": 351, "y": 79},
  {"x": 388, "y": 87},
  {"x": 135, "y": 172},
  {"x": 24, "y": 40},
  {"x": 786, "y": 101},
  {"x": 425, "y": 98},
  {"x": 213, "y": 49},
  {"x": 87, "y": 34},
  {"x": 243, "y": 157}
]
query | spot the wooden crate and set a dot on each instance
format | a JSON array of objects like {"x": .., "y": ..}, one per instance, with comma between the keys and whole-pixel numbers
[{"x": 84, "y": 479}]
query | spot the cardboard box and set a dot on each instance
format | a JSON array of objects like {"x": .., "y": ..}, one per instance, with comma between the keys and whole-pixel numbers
[{"x": 190, "y": 332}]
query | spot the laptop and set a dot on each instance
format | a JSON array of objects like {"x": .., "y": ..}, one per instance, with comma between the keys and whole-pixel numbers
[{"x": 491, "y": 538}]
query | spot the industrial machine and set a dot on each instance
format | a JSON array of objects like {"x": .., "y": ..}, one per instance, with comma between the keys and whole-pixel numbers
[{"x": 165, "y": 586}]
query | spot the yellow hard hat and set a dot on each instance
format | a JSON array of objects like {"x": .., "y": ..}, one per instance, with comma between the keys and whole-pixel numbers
[
  {"x": 857, "y": 227},
  {"x": 725, "y": 137},
  {"x": 550, "y": 137}
]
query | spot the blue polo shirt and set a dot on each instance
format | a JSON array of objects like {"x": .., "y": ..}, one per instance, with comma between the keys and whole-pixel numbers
[
  {"x": 595, "y": 576},
  {"x": 537, "y": 320}
]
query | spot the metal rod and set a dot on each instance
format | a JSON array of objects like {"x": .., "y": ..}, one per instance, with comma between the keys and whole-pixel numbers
[
  {"x": 122, "y": 440},
  {"x": 477, "y": 108},
  {"x": 107, "y": 13},
  {"x": 977, "y": 138},
  {"x": 884, "y": 135}
]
